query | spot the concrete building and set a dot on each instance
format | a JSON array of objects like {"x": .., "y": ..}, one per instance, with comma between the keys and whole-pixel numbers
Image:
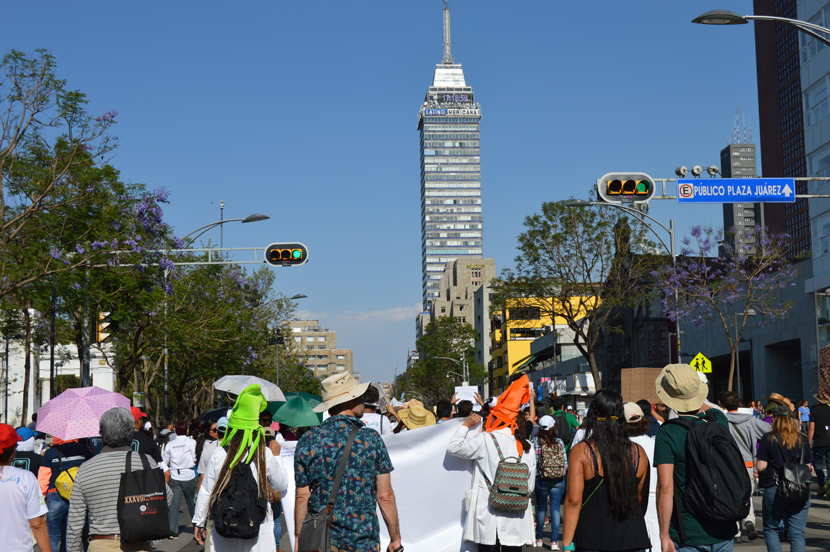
[
  {"x": 738, "y": 161},
  {"x": 458, "y": 285},
  {"x": 448, "y": 121},
  {"x": 317, "y": 347},
  {"x": 67, "y": 374}
]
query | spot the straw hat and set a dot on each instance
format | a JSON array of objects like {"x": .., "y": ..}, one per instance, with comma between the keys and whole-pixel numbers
[
  {"x": 822, "y": 398},
  {"x": 338, "y": 389},
  {"x": 679, "y": 387},
  {"x": 415, "y": 415}
]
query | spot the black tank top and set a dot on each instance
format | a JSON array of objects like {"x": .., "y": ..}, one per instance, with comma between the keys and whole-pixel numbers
[{"x": 598, "y": 528}]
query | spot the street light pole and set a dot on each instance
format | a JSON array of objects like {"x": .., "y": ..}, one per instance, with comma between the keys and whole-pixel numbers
[{"x": 465, "y": 377}]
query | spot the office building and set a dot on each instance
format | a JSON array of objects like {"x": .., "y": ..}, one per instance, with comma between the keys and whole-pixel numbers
[
  {"x": 738, "y": 161},
  {"x": 317, "y": 348},
  {"x": 779, "y": 50},
  {"x": 448, "y": 121}
]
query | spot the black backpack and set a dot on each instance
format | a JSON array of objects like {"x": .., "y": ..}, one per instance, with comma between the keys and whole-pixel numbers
[
  {"x": 717, "y": 486},
  {"x": 563, "y": 429},
  {"x": 239, "y": 511},
  {"x": 794, "y": 480}
]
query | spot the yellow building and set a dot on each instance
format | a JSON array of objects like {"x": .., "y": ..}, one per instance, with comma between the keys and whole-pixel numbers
[{"x": 512, "y": 334}]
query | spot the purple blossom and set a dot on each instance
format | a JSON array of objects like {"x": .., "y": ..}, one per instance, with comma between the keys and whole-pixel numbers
[
  {"x": 80, "y": 249},
  {"x": 168, "y": 289},
  {"x": 55, "y": 254},
  {"x": 115, "y": 225},
  {"x": 96, "y": 245},
  {"x": 76, "y": 285},
  {"x": 167, "y": 264}
]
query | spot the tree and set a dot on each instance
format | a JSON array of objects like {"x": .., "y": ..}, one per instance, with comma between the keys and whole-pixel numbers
[
  {"x": 578, "y": 264},
  {"x": 447, "y": 337},
  {"x": 726, "y": 286},
  {"x": 46, "y": 137}
]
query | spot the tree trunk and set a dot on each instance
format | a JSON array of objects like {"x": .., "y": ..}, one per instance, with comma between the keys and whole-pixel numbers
[
  {"x": 732, "y": 374},
  {"x": 27, "y": 363},
  {"x": 592, "y": 362}
]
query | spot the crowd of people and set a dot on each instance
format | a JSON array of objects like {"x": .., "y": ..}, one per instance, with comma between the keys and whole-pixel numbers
[{"x": 629, "y": 476}]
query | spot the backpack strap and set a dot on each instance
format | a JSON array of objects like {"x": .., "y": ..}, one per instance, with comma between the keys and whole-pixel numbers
[
  {"x": 498, "y": 448},
  {"x": 741, "y": 436},
  {"x": 335, "y": 486}
]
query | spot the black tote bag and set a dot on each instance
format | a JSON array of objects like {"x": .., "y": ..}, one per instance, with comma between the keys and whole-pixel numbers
[{"x": 142, "y": 503}]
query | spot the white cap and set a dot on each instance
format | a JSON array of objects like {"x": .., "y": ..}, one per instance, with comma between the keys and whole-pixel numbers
[{"x": 546, "y": 422}]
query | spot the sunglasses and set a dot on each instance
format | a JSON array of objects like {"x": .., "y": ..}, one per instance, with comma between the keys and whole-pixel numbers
[{"x": 212, "y": 430}]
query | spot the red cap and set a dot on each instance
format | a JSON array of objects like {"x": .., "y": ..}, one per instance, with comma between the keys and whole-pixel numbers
[
  {"x": 8, "y": 437},
  {"x": 137, "y": 414}
]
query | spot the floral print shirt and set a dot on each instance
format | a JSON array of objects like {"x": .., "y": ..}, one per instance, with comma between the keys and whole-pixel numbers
[{"x": 354, "y": 523}]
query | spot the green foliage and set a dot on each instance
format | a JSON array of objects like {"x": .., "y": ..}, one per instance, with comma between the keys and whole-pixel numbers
[
  {"x": 429, "y": 378},
  {"x": 578, "y": 264}
]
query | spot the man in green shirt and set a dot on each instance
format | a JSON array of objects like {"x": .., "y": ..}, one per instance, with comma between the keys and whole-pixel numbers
[
  {"x": 566, "y": 423},
  {"x": 680, "y": 388}
]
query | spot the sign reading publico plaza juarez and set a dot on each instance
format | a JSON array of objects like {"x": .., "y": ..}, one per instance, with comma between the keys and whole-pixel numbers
[{"x": 736, "y": 190}]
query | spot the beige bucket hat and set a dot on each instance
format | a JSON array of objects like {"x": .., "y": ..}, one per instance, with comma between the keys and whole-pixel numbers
[
  {"x": 338, "y": 389},
  {"x": 679, "y": 387}
]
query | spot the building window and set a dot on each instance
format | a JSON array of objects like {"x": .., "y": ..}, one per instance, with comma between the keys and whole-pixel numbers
[
  {"x": 309, "y": 338},
  {"x": 296, "y": 330},
  {"x": 309, "y": 346},
  {"x": 341, "y": 357},
  {"x": 321, "y": 338},
  {"x": 298, "y": 339},
  {"x": 524, "y": 313},
  {"x": 341, "y": 367},
  {"x": 322, "y": 368},
  {"x": 443, "y": 310}
]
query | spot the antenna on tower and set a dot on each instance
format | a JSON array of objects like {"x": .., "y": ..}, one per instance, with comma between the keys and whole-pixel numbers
[{"x": 447, "y": 43}]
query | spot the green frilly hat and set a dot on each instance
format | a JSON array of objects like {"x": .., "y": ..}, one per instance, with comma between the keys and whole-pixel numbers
[{"x": 245, "y": 418}]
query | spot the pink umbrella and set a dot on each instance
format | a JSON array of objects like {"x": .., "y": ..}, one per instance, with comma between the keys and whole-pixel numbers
[{"x": 75, "y": 412}]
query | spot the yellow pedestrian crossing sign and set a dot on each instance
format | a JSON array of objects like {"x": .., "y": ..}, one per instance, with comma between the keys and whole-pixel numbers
[{"x": 702, "y": 364}]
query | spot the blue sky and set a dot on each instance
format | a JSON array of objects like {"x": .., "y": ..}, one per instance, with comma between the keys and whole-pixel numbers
[{"x": 307, "y": 112}]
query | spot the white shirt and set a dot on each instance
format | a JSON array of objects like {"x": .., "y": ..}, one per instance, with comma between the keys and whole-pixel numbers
[
  {"x": 207, "y": 452},
  {"x": 21, "y": 499},
  {"x": 265, "y": 542},
  {"x": 481, "y": 526},
  {"x": 180, "y": 458},
  {"x": 375, "y": 421}
]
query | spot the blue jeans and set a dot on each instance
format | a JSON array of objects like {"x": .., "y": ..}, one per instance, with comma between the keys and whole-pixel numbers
[
  {"x": 56, "y": 521},
  {"x": 821, "y": 461},
  {"x": 723, "y": 546},
  {"x": 548, "y": 491},
  {"x": 186, "y": 489},
  {"x": 775, "y": 508},
  {"x": 276, "y": 507}
]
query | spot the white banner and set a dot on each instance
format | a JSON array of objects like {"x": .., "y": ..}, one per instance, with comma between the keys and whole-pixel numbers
[{"x": 429, "y": 490}]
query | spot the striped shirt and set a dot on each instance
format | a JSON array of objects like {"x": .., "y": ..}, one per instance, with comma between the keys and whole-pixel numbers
[{"x": 96, "y": 492}]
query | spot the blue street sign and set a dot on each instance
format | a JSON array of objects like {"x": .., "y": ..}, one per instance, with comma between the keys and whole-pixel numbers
[{"x": 736, "y": 190}]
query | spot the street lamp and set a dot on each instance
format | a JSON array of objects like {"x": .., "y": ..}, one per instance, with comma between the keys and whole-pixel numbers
[
  {"x": 256, "y": 217},
  {"x": 201, "y": 230},
  {"x": 465, "y": 376},
  {"x": 670, "y": 248},
  {"x": 726, "y": 17}
]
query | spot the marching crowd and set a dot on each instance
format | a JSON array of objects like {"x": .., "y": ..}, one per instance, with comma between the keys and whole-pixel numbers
[{"x": 676, "y": 475}]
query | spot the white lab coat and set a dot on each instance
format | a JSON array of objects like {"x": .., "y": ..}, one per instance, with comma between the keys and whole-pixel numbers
[
  {"x": 277, "y": 478},
  {"x": 652, "y": 525},
  {"x": 482, "y": 525}
]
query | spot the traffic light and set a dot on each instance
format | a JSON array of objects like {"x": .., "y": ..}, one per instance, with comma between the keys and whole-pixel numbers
[
  {"x": 629, "y": 187},
  {"x": 102, "y": 328},
  {"x": 286, "y": 254}
]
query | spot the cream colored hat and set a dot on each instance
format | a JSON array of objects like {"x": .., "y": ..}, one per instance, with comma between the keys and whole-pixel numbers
[
  {"x": 415, "y": 415},
  {"x": 679, "y": 387},
  {"x": 338, "y": 389},
  {"x": 633, "y": 412}
]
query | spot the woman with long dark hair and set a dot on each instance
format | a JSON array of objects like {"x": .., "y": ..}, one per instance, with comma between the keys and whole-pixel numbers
[
  {"x": 245, "y": 444},
  {"x": 551, "y": 468},
  {"x": 783, "y": 444},
  {"x": 608, "y": 480}
]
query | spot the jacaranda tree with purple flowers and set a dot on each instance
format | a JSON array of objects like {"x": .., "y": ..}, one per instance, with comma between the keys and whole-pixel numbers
[{"x": 719, "y": 277}]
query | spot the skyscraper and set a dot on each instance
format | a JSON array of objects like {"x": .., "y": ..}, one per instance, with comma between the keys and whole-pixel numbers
[
  {"x": 450, "y": 171},
  {"x": 738, "y": 161}
]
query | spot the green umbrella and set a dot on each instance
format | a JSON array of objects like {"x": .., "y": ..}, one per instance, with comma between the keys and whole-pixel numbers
[
  {"x": 312, "y": 399},
  {"x": 297, "y": 412}
]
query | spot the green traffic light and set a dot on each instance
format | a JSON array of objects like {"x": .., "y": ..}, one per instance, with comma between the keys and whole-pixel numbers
[
  {"x": 297, "y": 253},
  {"x": 643, "y": 186}
]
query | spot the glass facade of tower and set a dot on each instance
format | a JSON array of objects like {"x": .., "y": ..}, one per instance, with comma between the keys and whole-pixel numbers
[{"x": 450, "y": 176}]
